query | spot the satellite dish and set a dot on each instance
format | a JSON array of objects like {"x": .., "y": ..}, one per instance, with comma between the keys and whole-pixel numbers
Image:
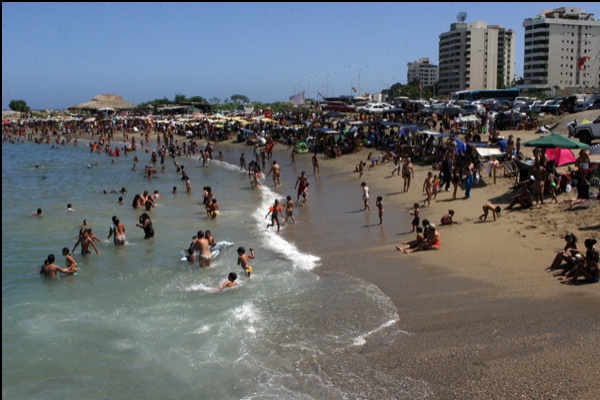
[{"x": 461, "y": 17}]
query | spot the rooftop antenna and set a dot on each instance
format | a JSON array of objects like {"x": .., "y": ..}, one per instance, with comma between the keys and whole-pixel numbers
[{"x": 461, "y": 17}]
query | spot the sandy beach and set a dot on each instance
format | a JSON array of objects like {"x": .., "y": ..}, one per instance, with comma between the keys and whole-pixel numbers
[
  {"x": 481, "y": 319},
  {"x": 485, "y": 320}
]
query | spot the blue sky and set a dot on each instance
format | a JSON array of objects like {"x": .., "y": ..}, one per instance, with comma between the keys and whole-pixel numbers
[{"x": 56, "y": 55}]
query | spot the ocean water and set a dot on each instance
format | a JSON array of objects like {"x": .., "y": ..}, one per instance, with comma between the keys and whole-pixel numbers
[{"x": 136, "y": 322}]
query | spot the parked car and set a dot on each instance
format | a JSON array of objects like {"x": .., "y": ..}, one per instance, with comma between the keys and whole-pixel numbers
[
  {"x": 376, "y": 108},
  {"x": 569, "y": 103},
  {"x": 471, "y": 109},
  {"x": 553, "y": 107},
  {"x": 591, "y": 104},
  {"x": 339, "y": 106},
  {"x": 441, "y": 109},
  {"x": 588, "y": 131},
  {"x": 537, "y": 106}
]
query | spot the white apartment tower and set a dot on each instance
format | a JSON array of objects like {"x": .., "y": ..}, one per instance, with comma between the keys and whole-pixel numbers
[
  {"x": 562, "y": 49},
  {"x": 476, "y": 56},
  {"x": 422, "y": 71}
]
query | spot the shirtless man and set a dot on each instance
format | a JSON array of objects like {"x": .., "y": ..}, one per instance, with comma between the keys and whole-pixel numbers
[
  {"x": 203, "y": 248},
  {"x": 244, "y": 260},
  {"x": 86, "y": 239},
  {"x": 49, "y": 269},
  {"x": 117, "y": 231},
  {"x": 301, "y": 184},
  {"x": 408, "y": 173},
  {"x": 276, "y": 174}
]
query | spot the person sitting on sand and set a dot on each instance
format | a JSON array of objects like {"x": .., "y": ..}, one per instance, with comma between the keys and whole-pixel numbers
[
  {"x": 432, "y": 241},
  {"x": 490, "y": 207},
  {"x": 447, "y": 218},
  {"x": 412, "y": 243},
  {"x": 567, "y": 254},
  {"x": 588, "y": 266},
  {"x": 524, "y": 199}
]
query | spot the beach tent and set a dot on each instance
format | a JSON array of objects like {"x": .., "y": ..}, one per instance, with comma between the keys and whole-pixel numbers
[
  {"x": 555, "y": 140},
  {"x": 561, "y": 156}
]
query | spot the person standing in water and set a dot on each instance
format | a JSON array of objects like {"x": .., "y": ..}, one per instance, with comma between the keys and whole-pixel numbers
[
  {"x": 117, "y": 231},
  {"x": 244, "y": 260}
]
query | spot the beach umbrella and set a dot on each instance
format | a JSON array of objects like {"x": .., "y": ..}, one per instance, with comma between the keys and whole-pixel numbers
[
  {"x": 556, "y": 141},
  {"x": 89, "y": 119}
]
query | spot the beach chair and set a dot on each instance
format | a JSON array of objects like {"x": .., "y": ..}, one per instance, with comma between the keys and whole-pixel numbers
[{"x": 510, "y": 169}]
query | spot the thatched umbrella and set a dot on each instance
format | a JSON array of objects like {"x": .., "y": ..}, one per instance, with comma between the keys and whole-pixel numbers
[{"x": 104, "y": 101}]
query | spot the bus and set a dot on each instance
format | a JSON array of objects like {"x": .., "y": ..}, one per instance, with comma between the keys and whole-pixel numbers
[{"x": 474, "y": 95}]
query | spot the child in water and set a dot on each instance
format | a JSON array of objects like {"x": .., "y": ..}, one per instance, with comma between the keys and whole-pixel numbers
[
  {"x": 274, "y": 211},
  {"x": 244, "y": 260},
  {"x": 230, "y": 282}
]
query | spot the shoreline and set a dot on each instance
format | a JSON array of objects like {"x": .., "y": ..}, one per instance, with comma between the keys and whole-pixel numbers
[{"x": 486, "y": 320}]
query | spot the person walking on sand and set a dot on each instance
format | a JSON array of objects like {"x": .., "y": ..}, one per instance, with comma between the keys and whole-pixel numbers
[
  {"x": 244, "y": 260},
  {"x": 486, "y": 210},
  {"x": 408, "y": 173},
  {"x": 365, "y": 196},
  {"x": 379, "y": 204},
  {"x": 276, "y": 174},
  {"x": 301, "y": 183},
  {"x": 315, "y": 163},
  {"x": 428, "y": 189}
]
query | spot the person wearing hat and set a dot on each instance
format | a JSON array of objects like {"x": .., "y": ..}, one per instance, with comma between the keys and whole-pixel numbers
[
  {"x": 431, "y": 242},
  {"x": 447, "y": 218}
]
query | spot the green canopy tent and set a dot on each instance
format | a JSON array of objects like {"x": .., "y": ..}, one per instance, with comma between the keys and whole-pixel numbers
[{"x": 554, "y": 141}]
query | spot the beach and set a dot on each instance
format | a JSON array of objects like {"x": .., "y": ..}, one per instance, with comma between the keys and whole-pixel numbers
[
  {"x": 478, "y": 319},
  {"x": 485, "y": 320}
]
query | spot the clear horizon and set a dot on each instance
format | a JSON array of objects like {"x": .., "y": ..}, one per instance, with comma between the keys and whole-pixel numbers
[{"x": 57, "y": 55}]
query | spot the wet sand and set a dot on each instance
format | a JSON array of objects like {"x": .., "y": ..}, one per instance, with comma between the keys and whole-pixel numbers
[{"x": 485, "y": 320}]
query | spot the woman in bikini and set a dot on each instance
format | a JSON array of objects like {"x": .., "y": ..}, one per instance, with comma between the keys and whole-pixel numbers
[{"x": 567, "y": 255}]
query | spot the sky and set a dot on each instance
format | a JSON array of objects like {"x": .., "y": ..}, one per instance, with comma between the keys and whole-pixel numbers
[{"x": 57, "y": 55}]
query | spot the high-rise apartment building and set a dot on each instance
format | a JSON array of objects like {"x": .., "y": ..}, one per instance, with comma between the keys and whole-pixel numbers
[
  {"x": 562, "y": 49},
  {"x": 475, "y": 56},
  {"x": 423, "y": 72}
]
